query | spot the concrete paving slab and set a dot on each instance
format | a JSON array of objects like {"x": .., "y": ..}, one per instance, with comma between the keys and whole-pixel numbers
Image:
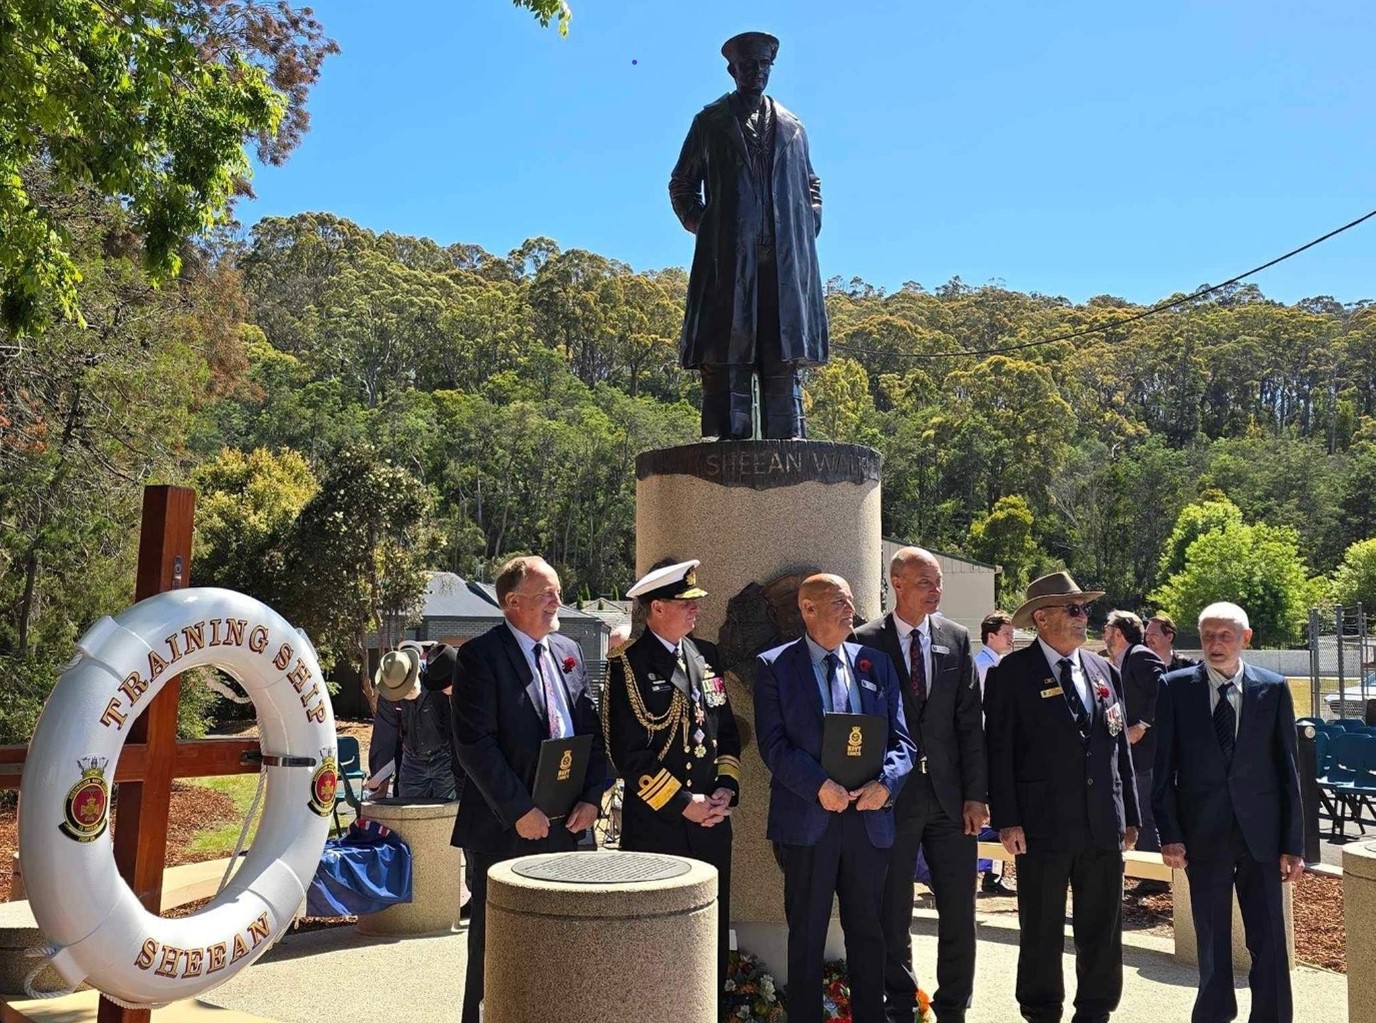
[{"x": 420, "y": 980}]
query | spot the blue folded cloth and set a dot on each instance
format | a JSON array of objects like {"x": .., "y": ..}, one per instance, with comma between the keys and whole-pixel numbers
[{"x": 365, "y": 870}]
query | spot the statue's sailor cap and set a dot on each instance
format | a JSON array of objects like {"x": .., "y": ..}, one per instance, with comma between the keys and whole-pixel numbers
[
  {"x": 747, "y": 42},
  {"x": 672, "y": 582}
]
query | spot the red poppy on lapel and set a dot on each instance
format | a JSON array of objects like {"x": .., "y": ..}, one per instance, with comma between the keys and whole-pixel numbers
[
  {"x": 863, "y": 664},
  {"x": 1103, "y": 689},
  {"x": 569, "y": 664}
]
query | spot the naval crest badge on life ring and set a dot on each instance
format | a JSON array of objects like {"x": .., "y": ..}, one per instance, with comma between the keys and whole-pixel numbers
[{"x": 87, "y": 810}]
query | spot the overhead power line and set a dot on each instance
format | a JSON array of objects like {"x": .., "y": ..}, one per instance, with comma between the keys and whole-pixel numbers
[{"x": 1100, "y": 328}]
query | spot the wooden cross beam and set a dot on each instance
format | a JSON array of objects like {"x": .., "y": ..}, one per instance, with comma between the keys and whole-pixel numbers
[{"x": 152, "y": 756}]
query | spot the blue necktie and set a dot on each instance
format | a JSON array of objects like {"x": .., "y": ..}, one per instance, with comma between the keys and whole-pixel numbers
[
  {"x": 1072, "y": 697},
  {"x": 840, "y": 700},
  {"x": 1225, "y": 723}
]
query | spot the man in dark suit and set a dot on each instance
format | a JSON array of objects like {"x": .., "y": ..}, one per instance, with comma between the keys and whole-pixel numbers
[
  {"x": 1061, "y": 796},
  {"x": 1159, "y": 636},
  {"x": 831, "y": 841},
  {"x": 944, "y": 803},
  {"x": 1227, "y": 794},
  {"x": 1141, "y": 671},
  {"x": 515, "y": 686},
  {"x": 671, "y": 735}
]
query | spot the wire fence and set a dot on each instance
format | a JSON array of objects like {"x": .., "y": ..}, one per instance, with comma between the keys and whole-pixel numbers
[{"x": 1342, "y": 663}]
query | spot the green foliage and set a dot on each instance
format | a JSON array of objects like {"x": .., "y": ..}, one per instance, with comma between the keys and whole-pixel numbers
[
  {"x": 1355, "y": 580},
  {"x": 545, "y": 10},
  {"x": 1212, "y": 515},
  {"x": 1255, "y": 566},
  {"x": 1004, "y": 537},
  {"x": 246, "y": 506},
  {"x": 356, "y": 556},
  {"x": 838, "y": 403},
  {"x": 147, "y": 101}
]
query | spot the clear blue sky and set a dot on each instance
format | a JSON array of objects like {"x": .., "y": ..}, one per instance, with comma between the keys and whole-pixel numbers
[{"x": 1070, "y": 148}]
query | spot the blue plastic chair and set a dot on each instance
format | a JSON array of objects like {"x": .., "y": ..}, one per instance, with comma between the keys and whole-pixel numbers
[
  {"x": 1350, "y": 777},
  {"x": 350, "y": 771}
]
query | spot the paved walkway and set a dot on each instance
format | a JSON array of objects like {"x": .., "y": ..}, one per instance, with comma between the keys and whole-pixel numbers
[{"x": 374, "y": 980}]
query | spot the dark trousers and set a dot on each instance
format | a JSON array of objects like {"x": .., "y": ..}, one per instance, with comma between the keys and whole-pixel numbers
[
  {"x": 1147, "y": 839},
  {"x": 952, "y": 857},
  {"x": 1258, "y": 884},
  {"x": 727, "y": 396},
  {"x": 710, "y": 845},
  {"x": 482, "y": 860},
  {"x": 846, "y": 864},
  {"x": 1095, "y": 876}
]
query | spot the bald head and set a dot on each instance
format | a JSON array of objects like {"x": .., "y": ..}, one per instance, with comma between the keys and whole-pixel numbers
[
  {"x": 828, "y": 609},
  {"x": 915, "y": 575}
]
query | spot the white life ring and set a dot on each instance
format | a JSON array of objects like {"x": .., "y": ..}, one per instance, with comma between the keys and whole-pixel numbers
[{"x": 98, "y": 928}]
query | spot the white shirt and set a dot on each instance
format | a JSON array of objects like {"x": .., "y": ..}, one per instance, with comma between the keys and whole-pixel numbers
[
  {"x": 1216, "y": 681},
  {"x": 905, "y": 641},
  {"x": 553, "y": 673},
  {"x": 987, "y": 658},
  {"x": 1077, "y": 672}
]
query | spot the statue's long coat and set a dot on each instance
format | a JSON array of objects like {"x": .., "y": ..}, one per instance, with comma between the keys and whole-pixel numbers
[{"x": 713, "y": 194}]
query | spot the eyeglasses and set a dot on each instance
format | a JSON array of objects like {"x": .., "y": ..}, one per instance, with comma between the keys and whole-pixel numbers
[{"x": 1075, "y": 610}]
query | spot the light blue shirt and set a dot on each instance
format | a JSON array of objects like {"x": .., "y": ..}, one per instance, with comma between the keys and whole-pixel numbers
[
  {"x": 554, "y": 673},
  {"x": 843, "y": 672}
]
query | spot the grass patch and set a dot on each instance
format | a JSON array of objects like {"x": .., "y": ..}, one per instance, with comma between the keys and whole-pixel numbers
[{"x": 220, "y": 839}]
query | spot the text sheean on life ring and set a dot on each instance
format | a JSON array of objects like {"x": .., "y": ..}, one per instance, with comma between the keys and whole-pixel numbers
[{"x": 100, "y": 931}]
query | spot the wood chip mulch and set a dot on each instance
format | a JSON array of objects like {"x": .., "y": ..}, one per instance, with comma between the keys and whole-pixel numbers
[{"x": 1319, "y": 936}]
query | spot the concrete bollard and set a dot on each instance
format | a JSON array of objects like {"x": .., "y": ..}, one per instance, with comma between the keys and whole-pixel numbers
[
  {"x": 1359, "y": 919},
  {"x": 616, "y": 937},
  {"x": 437, "y": 887}
]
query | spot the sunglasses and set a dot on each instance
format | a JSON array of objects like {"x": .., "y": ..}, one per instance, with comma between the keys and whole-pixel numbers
[{"x": 1075, "y": 610}]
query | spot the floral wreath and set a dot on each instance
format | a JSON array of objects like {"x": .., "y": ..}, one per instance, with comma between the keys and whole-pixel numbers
[
  {"x": 836, "y": 995},
  {"x": 750, "y": 992},
  {"x": 752, "y": 996}
]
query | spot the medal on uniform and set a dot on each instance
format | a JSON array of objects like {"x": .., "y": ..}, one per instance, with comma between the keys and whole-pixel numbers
[
  {"x": 700, "y": 715},
  {"x": 716, "y": 691},
  {"x": 699, "y": 750}
]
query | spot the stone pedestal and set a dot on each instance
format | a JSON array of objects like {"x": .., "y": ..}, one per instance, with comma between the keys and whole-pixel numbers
[
  {"x": 437, "y": 889},
  {"x": 1359, "y": 919},
  {"x": 1187, "y": 948},
  {"x": 753, "y": 512},
  {"x": 616, "y": 937}
]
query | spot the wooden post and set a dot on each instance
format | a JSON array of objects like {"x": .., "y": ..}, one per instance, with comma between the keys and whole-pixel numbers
[{"x": 140, "y": 834}]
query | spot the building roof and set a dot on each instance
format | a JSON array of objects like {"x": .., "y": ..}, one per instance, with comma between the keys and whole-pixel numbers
[
  {"x": 941, "y": 554},
  {"x": 613, "y": 612},
  {"x": 448, "y": 595},
  {"x": 488, "y": 592}
]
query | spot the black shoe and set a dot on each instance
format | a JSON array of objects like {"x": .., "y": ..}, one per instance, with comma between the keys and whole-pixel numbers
[{"x": 992, "y": 885}]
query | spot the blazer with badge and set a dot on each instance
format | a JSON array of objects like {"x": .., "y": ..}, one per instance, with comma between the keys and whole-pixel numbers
[
  {"x": 1196, "y": 794},
  {"x": 499, "y": 725},
  {"x": 650, "y": 715},
  {"x": 949, "y": 727},
  {"x": 1067, "y": 792},
  {"x": 789, "y": 716}
]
